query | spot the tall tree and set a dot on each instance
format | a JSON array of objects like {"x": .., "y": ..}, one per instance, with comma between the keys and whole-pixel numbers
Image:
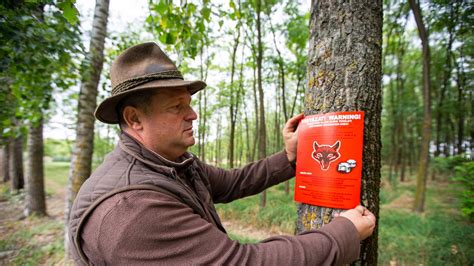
[
  {"x": 36, "y": 56},
  {"x": 344, "y": 74},
  {"x": 262, "y": 138},
  {"x": 422, "y": 173},
  {"x": 81, "y": 160},
  {"x": 234, "y": 92}
]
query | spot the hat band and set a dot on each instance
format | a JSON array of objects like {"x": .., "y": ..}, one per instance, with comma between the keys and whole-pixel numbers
[{"x": 134, "y": 82}]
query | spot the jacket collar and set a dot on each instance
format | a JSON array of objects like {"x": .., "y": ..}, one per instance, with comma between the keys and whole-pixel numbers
[{"x": 136, "y": 149}]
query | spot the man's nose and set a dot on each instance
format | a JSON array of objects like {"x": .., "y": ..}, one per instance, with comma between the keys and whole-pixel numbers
[{"x": 191, "y": 114}]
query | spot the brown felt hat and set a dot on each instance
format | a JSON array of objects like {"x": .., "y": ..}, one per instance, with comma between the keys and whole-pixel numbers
[{"x": 138, "y": 68}]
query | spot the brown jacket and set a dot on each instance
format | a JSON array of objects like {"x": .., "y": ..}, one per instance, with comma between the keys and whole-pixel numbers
[{"x": 139, "y": 208}]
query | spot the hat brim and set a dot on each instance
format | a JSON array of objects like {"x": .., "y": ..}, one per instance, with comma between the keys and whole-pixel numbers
[{"x": 106, "y": 111}]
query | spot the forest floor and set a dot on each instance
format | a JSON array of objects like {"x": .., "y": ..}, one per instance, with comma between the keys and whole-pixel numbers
[{"x": 439, "y": 236}]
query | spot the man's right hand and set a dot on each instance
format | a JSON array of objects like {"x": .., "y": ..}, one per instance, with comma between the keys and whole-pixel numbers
[{"x": 363, "y": 219}]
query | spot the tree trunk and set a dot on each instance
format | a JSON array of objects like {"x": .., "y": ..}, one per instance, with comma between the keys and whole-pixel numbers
[
  {"x": 16, "y": 164},
  {"x": 35, "y": 198},
  {"x": 426, "y": 136},
  {"x": 204, "y": 67},
  {"x": 255, "y": 101},
  {"x": 81, "y": 160},
  {"x": 234, "y": 102},
  {"x": 446, "y": 78},
  {"x": 262, "y": 143},
  {"x": 460, "y": 80},
  {"x": 5, "y": 159},
  {"x": 400, "y": 118},
  {"x": 204, "y": 125},
  {"x": 344, "y": 74}
]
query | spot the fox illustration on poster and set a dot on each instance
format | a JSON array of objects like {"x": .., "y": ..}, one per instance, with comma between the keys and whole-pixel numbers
[{"x": 329, "y": 159}]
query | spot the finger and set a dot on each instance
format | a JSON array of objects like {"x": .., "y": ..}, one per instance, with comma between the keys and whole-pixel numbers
[
  {"x": 294, "y": 121},
  {"x": 360, "y": 209},
  {"x": 369, "y": 215}
]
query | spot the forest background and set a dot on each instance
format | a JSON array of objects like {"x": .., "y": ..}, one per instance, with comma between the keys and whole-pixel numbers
[{"x": 45, "y": 63}]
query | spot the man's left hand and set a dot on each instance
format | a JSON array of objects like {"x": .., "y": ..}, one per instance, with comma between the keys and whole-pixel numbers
[{"x": 290, "y": 136}]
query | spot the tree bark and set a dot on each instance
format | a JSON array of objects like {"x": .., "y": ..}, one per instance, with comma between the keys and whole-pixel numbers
[
  {"x": 460, "y": 80},
  {"x": 5, "y": 168},
  {"x": 262, "y": 143},
  {"x": 35, "y": 196},
  {"x": 446, "y": 78},
  {"x": 16, "y": 164},
  {"x": 344, "y": 74},
  {"x": 81, "y": 160},
  {"x": 426, "y": 135},
  {"x": 234, "y": 100}
]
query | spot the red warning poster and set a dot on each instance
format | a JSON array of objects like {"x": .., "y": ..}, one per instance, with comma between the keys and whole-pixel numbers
[{"x": 329, "y": 159}]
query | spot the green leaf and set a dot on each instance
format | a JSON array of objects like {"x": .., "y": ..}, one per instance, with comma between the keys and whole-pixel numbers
[
  {"x": 162, "y": 7},
  {"x": 70, "y": 12},
  {"x": 170, "y": 38},
  {"x": 206, "y": 13}
]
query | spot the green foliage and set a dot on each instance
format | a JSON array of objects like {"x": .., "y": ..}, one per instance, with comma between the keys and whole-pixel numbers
[
  {"x": 102, "y": 146},
  {"x": 38, "y": 49},
  {"x": 58, "y": 150},
  {"x": 70, "y": 12},
  {"x": 464, "y": 178},
  {"x": 447, "y": 165},
  {"x": 184, "y": 26}
]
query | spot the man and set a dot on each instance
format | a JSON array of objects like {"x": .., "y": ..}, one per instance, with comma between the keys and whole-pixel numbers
[{"x": 152, "y": 202}]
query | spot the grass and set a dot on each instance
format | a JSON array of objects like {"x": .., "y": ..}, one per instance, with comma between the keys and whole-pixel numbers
[
  {"x": 278, "y": 216},
  {"x": 34, "y": 240},
  {"x": 439, "y": 236},
  {"x": 242, "y": 239}
]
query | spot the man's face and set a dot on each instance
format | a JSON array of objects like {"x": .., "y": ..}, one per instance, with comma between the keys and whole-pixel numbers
[{"x": 168, "y": 127}]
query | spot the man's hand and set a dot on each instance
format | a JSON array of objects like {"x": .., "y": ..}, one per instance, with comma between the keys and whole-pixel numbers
[
  {"x": 290, "y": 136},
  {"x": 363, "y": 220}
]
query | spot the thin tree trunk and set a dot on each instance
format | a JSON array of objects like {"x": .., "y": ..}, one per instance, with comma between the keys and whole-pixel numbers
[
  {"x": 344, "y": 74},
  {"x": 204, "y": 125},
  {"x": 446, "y": 78},
  {"x": 247, "y": 133},
  {"x": 293, "y": 106},
  {"x": 400, "y": 118},
  {"x": 233, "y": 105},
  {"x": 255, "y": 98},
  {"x": 5, "y": 159},
  {"x": 35, "y": 196},
  {"x": 81, "y": 159},
  {"x": 16, "y": 164},
  {"x": 426, "y": 136},
  {"x": 262, "y": 143},
  {"x": 281, "y": 69},
  {"x": 460, "y": 80}
]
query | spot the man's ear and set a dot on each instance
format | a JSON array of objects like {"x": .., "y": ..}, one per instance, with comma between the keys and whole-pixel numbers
[{"x": 131, "y": 116}]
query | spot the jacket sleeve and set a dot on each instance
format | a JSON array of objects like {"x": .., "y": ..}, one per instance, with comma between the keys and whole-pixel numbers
[
  {"x": 148, "y": 227},
  {"x": 229, "y": 185}
]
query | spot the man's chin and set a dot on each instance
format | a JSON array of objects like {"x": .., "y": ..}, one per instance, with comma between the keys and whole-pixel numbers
[{"x": 191, "y": 142}]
